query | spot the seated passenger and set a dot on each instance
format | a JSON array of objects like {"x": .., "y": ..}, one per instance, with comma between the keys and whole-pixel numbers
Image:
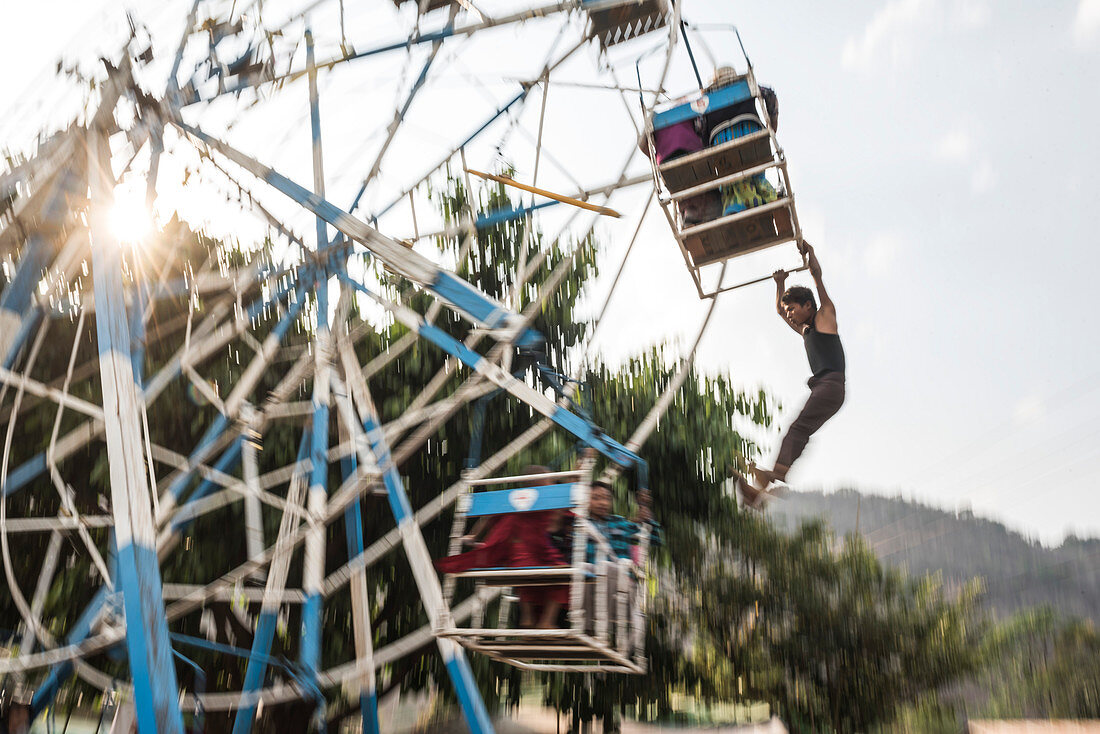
[
  {"x": 676, "y": 141},
  {"x": 736, "y": 121},
  {"x": 727, "y": 75},
  {"x": 622, "y": 535},
  {"x": 519, "y": 540}
]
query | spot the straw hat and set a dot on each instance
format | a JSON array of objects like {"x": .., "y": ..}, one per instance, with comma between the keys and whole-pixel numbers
[{"x": 723, "y": 76}]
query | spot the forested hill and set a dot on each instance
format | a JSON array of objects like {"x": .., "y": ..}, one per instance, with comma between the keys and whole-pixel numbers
[{"x": 1018, "y": 572}]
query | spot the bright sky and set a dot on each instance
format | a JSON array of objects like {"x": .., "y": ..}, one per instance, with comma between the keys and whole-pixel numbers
[{"x": 944, "y": 158}]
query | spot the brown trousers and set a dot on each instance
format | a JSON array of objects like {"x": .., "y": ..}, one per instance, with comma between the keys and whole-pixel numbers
[{"x": 826, "y": 397}]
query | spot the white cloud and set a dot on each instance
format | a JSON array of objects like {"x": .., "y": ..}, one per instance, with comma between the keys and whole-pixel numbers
[
  {"x": 883, "y": 33},
  {"x": 1086, "y": 24},
  {"x": 892, "y": 33},
  {"x": 968, "y": 14},
  {"x": 984, "y": 178},
  {"x": 1028, "y": 410},
  {"x": 882, "y": 253},
  {"x": 955, "y": 146}
]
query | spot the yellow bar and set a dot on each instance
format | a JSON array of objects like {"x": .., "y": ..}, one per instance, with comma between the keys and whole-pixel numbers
[{"x": 548, "y": 194}]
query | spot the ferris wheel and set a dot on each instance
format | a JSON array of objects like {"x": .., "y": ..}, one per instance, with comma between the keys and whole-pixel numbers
[{"x": 176, "y": 360}]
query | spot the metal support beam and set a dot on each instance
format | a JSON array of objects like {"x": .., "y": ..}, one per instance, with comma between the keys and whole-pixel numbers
[
  {"x": 45, "y": 578},
  {"x": 150, "y": 652},
  {"x": 590, "y": 434},
  {"x": 16, "y": 301},
  {"x": 462, "y": 296},
  {"x": 243, "y": 388},
  {"x": 253, "y": 512},
  {"x": 269, "y": 608},
  {"x": 313, "y": 568},
  {"x": 372, "y": 449},
  {"x": 218, "y": 337},
  {"x": 360, "y": 598},
  {"x": 562, "y": 6}
]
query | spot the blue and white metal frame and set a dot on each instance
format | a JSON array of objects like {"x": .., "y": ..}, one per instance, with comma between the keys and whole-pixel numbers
[
  {"x": 17, "y": 317},
  {"x": 236, "y": 400},
  {"x": 267, "y": 621},
  {"x": 365, "y": 429},
  {"x": 584, "y": 430},
  {"x": 149, "y": 650},
  {"x": 371, "y": 447},
  {"x": 475, "y": 305},
  {"x": 360, "y": 606},
  {"x": 314, "y": 563},
  {"x": 18, "y": 314}
]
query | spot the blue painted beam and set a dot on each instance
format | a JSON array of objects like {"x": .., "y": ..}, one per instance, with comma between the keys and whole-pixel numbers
[
  {"x": 353, "y": 530},
  {"x": 454, "y": 657},
  {"x": 22, "y": 334},
  {"x": 259, "y": 657},
  {"x": 17, "y": 317},
  {"x": 500, "y": 216},
  {"x": 149, "y": 651},
  {"x": 522, "y": 499},
  {"x": 137, "y": 333},
  {"x": 476, "y": 305},
  {"x": 226, "y": 463},
  {"x": 17, "y": 313},
  {"x": 589, "y": 433},
  {"x": 703, "y": 103},
  {"x": 313, "y": 569},
  {"x": 47, "y": 691}
]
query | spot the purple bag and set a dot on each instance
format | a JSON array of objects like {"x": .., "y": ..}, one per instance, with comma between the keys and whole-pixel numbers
[{"x": 676, "y": 140}]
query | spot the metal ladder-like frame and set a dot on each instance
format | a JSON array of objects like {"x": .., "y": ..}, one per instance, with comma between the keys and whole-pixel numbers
[
  {"x": 580, "y": 647},
  {"x": 777, "y": 220}
]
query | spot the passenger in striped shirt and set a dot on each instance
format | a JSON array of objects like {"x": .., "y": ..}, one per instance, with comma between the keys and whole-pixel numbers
[{"x": 621, "y": 534}]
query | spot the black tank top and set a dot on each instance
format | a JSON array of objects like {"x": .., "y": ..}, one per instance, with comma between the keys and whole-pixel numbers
[{"x": 824, "y": 351}]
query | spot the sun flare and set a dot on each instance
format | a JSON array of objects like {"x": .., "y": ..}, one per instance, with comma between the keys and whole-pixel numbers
[{"x": 131, "y": 220}]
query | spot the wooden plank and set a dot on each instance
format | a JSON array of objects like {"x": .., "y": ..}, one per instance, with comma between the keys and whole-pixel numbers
[
  {"x": 542, "y": 652},
  {"x": 710, "y": 163},
  {"x": 529, "y": 577},
  {"x": 624, "y": 22},
  {"x": 740, "y": 233}
]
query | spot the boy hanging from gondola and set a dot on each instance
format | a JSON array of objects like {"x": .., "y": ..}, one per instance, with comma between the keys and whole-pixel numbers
[{"x": 818, "y": 327}]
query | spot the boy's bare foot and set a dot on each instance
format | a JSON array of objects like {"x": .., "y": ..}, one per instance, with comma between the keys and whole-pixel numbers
[
  {"x": 751, "y": 496},
  {"x": 764, "y": 477}
]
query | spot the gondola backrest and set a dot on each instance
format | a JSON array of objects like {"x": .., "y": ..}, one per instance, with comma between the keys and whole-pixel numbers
[
  {"x": 523, "y": 499},
  {"x": 702, "y": 104}
]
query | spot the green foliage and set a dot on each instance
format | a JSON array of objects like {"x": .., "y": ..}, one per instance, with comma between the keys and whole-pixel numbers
[
  {"x": 1043, "y": 665},
  {"x": 856, "y": 640},
  {"x": 929, "y": 715},
  {"x": 1017, "y": 573}
]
